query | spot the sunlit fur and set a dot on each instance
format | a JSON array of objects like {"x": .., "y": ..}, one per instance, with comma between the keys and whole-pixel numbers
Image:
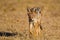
[{"x": 34, "y": 15}]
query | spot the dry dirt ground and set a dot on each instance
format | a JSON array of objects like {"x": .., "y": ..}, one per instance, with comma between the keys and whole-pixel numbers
[{"x": 14, "y": 18}]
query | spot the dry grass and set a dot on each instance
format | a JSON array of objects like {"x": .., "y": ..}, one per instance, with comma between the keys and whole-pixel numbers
[{"x": 13, "y": 18}]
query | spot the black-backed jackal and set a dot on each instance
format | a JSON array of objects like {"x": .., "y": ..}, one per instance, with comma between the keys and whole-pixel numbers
[{"x": 34, "y": 15}]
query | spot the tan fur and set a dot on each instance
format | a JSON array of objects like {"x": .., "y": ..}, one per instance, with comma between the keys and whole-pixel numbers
[{"x": 35, "y": 15}]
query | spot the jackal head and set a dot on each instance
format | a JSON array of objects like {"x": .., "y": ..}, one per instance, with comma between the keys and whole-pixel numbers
[{"x": 33, "y": 13}]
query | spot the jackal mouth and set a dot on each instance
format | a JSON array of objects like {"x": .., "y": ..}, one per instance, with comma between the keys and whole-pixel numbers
[{"x": 31, "y": 20}]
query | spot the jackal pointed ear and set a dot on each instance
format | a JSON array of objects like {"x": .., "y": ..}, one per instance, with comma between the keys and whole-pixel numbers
[
  {"x": 38, "y": 10},
  {"x": 28, "y": 10}
]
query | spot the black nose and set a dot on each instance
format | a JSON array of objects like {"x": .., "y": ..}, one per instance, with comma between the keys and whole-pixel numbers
[{"x": 30, "y": 20}]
